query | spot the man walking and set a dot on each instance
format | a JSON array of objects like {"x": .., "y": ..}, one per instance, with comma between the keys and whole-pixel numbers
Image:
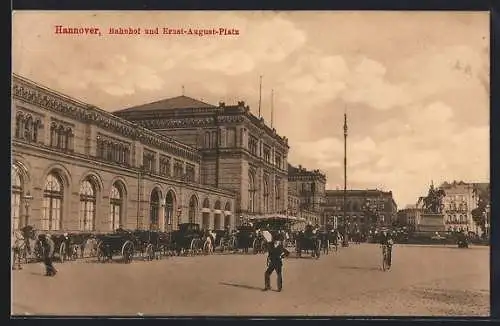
[
  {"x": 275, "y": 263},
  {"x": 48, "y": 253}
]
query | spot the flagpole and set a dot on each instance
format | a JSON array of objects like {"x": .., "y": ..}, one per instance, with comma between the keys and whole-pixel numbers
[
  {"x": 272, "y": 107},
  {"x": 345, "y": 242},
  {"x": 260, "y": 94}
]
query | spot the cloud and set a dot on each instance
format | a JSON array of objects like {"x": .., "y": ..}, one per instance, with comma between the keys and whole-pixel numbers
[
  {"x": 121, "y": 65},
  {"x": 430, "y": 146}
]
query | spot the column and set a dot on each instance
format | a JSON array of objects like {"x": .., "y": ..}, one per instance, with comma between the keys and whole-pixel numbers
[{"x": 161, "y": 217}]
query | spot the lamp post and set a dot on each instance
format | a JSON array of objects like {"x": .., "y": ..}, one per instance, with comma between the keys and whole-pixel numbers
[
  {"x": 345, "y": 242},
  {"x": 487, "y": 221},
  {"x": 179, "y": 213},
  {"x": 163, "y": 202},
  {"x": 27, "y": 199}
]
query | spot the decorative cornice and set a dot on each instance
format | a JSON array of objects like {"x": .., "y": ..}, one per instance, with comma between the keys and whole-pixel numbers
[{"x": 42, "y": 97}]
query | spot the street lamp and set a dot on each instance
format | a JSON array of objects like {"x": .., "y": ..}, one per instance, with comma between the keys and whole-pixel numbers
[
  {"x": 179, "y": 213},
  {"x": 27, "y": 199},
  {"x": 162, "y": 207},
  {"x": 487, "y": 220}
]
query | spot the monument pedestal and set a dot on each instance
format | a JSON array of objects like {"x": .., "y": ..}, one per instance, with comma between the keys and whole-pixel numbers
[{"x": 431, "y": 223}]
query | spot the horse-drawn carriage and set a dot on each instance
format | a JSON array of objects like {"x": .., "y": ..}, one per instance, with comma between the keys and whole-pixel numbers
[
  {"x": 279, "y": 226},
  {"x": 309, "y": 240},
  {"x": 121, "y": 242},
  {"x": 244, "y": 237},
  {"x": 188, "y": 239},
  {"x": 152, "y": 244}
]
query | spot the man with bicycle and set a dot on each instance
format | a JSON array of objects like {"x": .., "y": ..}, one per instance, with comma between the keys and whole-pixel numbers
[{"x": 386, "y": 242}]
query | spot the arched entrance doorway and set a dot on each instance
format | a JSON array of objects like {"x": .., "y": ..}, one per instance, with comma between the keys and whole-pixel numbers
[
  {"x": 205, "y": 219},
  {"x": 169, "y": 210},
  {"x": 154, "y": 208}
]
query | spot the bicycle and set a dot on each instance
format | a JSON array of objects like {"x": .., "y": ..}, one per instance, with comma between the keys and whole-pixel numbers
[{"x": 386, "y": 257}]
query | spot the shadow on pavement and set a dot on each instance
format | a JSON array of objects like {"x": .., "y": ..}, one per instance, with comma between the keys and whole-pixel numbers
[
  {"x": 360, "y": 268},
  {"x": 244, "y": 286}
]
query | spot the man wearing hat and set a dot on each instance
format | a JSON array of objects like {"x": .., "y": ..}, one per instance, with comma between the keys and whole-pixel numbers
[
  {"x": 275, "y": 263},
  {"x": 48, "y": 253}
]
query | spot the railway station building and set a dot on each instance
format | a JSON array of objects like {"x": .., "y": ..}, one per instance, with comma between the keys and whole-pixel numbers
[{"x": 76, "y": 167}]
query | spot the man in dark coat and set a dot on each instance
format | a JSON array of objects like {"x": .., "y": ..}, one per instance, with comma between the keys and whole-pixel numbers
[
  {"x": 275, "y": 257},
  {"x": 48, "y": 253}
]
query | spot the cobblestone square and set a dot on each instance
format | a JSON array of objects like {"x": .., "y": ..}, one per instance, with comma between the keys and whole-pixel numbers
[{"x": 424, "y": 280}]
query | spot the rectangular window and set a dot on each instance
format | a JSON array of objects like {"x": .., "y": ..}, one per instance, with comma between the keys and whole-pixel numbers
[
  {"x": 165, "y": 166},
  {"x": 253, "y": 144},
  {"x": 277, "y": 161},
  {"x": 230, "y": 137},
  {"x": 148, "y": 161},
  {"x": 178, "y": 169},
  {"x": 190, "y": 172},
  {"x": 267, "y": 154}
]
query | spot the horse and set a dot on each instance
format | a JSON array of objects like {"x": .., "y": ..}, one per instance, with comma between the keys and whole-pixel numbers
[{"x": 26, "y": 245}]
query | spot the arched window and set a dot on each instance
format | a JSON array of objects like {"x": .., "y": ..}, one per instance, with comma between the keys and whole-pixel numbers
[
  {"x": 115, "y": 207},
  {"x": 36, "y": 126},
  {"x": 19, "y": 125},
  {"x": 193, "y": 208},
  {"x": 15, "y": 201},
  {"x": 227, "y": 215},
  {"x": 169, "y": 208},
  {"x": 28, "y": 129},
  {"x": 154, "y": 210},
  {"x": 87, "y": 206},
  {"x": 266, "y": 194},
  {"x": 206, "y": 203},
  {"x": 251, "y": 192},
  {"x": 52, "y": 203},
  {"x": 61, "y": 140},
  {"x": 68, "y": 137}
]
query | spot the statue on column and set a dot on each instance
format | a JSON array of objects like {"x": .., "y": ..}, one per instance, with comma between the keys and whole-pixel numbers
[{"x": 433, "y": 203}]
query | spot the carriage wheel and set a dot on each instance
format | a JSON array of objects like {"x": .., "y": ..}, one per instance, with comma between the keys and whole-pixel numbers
[
  {"x": 298, "y": 251},
  {"x": 385, "y": 258},
  {"x": 150, "y": 252},
  {"x": 192, "y": 246},
  {"x": 62, "y": 252},
  {"x": 232, "y": 244},
  {"x": 206, "y": 249},
  {"x": 100, "y": 252},
  {"x": 254, "y": 246},
  {"x": 128, "y": 251}
]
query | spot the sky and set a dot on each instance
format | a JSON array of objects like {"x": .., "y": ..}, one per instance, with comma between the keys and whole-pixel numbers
[{"x": 414, "y": 85}]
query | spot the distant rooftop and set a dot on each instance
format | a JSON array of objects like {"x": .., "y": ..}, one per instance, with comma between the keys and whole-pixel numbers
[
  {"x": 293, "y": 170},
  {"x": 178, "y": 102}
]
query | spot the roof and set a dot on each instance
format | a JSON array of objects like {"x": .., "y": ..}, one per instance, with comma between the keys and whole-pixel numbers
[{"x": 178, "y": 102}]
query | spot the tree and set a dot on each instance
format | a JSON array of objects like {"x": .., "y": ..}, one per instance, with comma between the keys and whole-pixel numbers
[{"x": 483, "y": 201}]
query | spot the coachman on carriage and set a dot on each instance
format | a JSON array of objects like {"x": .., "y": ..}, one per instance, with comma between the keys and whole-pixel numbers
[
  {"x": 188, "y": 239},
  {"x": 309, "y": 240}
]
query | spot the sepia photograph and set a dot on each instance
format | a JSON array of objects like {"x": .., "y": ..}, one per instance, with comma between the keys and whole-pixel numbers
[{"x": 250, "y": 163}]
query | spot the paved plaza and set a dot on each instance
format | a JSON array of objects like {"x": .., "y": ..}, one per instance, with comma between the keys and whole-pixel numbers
[{"x": 424, "y": 280}]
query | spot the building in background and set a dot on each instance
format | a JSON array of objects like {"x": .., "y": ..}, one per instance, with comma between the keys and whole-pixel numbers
[
  {"x": 365, "y": 209},
  {"x": 409, "y": 217},
  {"x": 306, "y": 191},
  {"x": 79, "y": 168},
  {"x": 76, "y": 167},
  {"x": 239, "y": 151},
  {"x": 458, "y": 204}
]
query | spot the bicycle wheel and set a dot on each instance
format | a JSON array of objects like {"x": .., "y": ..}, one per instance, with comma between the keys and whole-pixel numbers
[{"x": 385, "y": 266}]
